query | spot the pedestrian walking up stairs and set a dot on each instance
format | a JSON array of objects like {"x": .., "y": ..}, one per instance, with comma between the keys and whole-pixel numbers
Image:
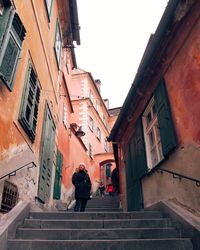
[{"x": 98, "y": 229}]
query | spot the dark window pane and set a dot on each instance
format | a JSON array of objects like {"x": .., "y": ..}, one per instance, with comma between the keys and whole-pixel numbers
[
  {"x": 149, "y": 118},
  {"x": 151, "y": 138}
]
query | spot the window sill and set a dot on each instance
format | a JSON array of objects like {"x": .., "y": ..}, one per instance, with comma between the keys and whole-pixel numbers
[
  {"x": 5, "y": 82},
  {"x": 154, "y": 169}
]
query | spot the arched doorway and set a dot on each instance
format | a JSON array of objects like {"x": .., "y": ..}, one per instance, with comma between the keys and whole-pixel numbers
[{"x": 106, "y": 168}]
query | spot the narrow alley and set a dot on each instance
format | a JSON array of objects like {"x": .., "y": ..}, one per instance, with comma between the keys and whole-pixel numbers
[{"x": 78, "y": 174}]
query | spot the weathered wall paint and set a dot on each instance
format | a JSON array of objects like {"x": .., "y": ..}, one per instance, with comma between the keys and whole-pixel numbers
[
  {"x": 182, "y": 76},
  {"x": 15, "y": 147}
]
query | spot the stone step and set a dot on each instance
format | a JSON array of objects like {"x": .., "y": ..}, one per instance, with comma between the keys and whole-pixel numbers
[
  {"x": 96, "y": 215},
  {"x": 102, "y": 209},
  {"x": 122, "y": 244},
  {"x": 102, "y": 206},
  {"x": 121, "y": 223},
  {"x": 95, "y": 234}
]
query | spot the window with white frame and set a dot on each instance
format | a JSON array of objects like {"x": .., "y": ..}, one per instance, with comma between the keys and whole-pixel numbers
[
  {"x": 106, "y": 146},
  {"x": 90, "y": 150},
  {"x": 91, "y": 96},
  {"x": 91, "y": 123},
  {"x": 48, "y": 4},
  {"x": 97, "y": 106},
  {"x": 58, "y": 44},
  {"x": 98, "y": 134},
  {"x": 1, "y": 7},
  {"x": 152, "y": 135},
  {"x": 65, "y": 115}
]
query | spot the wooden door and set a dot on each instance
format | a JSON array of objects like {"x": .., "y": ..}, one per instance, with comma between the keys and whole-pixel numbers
[{"x": 46, "y": 162}]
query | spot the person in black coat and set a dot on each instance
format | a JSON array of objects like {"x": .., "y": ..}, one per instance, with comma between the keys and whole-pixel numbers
[{"x": 82, "y": 183}]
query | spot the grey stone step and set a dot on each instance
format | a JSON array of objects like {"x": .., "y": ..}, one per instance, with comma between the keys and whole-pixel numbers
[
  {"x": 97, "y": 234},
  {"x": 125, "y": 223},
  {"x": 132, "y": 244},
  {"x": 96, "y": 215},
  {"x": 102, "y": 209}
]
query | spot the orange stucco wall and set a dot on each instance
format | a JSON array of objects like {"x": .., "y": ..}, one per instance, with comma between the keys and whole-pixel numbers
[{"x": 15, "y": 147}]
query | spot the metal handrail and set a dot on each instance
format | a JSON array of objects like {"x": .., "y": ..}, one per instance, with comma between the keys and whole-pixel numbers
[
  {"x": 179, "y": 176},
  {"x": 13, "y": 173}
]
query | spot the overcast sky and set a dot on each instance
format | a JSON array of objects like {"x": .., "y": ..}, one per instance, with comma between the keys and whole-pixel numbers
[{"x": 114, "y": 34}]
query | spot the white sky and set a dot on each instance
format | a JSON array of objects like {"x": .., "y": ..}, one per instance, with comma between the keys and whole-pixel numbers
[{"x": 114, "y": 35}]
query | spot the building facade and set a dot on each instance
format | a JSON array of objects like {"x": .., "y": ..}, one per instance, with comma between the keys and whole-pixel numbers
[
  {"x": 91, "y": 114},
  {"x": 156, "y": 135},
  {"x": 36, "y": 58}
]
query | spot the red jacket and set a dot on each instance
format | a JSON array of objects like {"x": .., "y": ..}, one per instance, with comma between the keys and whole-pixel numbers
[{"x": 110, "y": 189}]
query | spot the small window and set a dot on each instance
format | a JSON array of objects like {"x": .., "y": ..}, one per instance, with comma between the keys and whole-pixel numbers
[
  {"x": 105, "y": 122},
  {"x": 152, "y": 135},
  {"x": 48, "y": 4},
  {"x": 9, "y": 197},
  {"x": 65, "y": 114},
  {"x": 58, "y": 44},
  {"x": 91, "y": 123},
  {"x": 91, "y": 96},
  {"x": 98, "y": 134},
  {"x": 97, "y": 106},
  {"x": 90, "y": 151},
  {"x": 12, "y": 44},
  {"x": 106, "y": 146},
  {"x": 1, "y": 7},
  {"x": 30, "y": 102}
]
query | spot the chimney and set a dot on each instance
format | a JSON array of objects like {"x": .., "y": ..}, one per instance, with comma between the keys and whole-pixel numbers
[
  {"x": 106, "y": 102},
  {"x": 98, "y": 84}
]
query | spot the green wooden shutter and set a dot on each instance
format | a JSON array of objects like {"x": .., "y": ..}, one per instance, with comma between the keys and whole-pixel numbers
[
  {"x": 140, "y": 150},
  {"x": 30, "y": 104},
  {"x": 11, "y": 47},
  {"x": 58, "y": 176},
  {"x": 47, "y": 152},
  {"x": 167, "y": 132},
  {"x": 9, "y": 60},
  {"x": 136, "y": 167}
]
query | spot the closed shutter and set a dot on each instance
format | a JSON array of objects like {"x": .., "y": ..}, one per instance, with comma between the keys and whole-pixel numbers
[
  {"x": 9, "y": 60},
  {"x": 11, "y": 47},
  {"x": 141, "y": 163},
  {"x": 136, "y": 167},
  {"x": 47, "y": 154},
  {"x": 58, "y": 176},
  {"x": 167, "y": 132}
]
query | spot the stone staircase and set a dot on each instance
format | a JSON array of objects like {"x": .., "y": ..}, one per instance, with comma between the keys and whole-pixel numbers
[{"x": 102, "y": 227}]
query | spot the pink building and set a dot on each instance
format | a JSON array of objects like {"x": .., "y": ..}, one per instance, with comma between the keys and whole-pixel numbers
[{"x": 91, "y": 114}]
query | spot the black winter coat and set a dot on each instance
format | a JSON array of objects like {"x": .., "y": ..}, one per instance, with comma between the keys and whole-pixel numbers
[{"x": 82, "y": 183}]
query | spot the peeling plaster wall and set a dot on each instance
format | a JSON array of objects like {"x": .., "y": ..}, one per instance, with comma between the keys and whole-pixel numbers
[
  {"x": 182, "y": 77},
  {"x": 162, "y": 186},
  {"x": 180, "y": 68}
]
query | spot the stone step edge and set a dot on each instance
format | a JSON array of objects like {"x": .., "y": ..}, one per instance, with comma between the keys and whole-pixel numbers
[
  {"x": 103, "y": 240},
  {"x": 97, "y": 220},
  {"x": 97, "y": 229}
]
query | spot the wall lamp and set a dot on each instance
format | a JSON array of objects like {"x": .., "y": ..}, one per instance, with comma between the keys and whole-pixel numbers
[{"x": 77, "y": 130}]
